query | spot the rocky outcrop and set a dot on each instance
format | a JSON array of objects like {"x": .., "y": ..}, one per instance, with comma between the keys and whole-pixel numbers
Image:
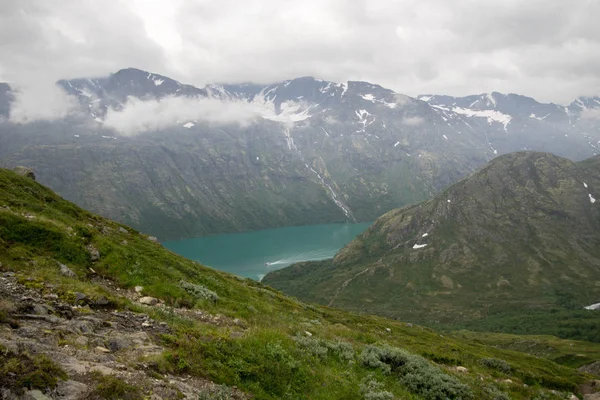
[{"x": 24, "y": 171}]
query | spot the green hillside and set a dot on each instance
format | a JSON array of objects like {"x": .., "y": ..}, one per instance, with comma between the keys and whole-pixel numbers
[
  {"x": 522, "y": 233},
  {"x": 211, "y": 335}
]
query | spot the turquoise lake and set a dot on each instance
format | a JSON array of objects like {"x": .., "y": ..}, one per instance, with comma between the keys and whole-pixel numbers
[{"x": 254, "y": 254}]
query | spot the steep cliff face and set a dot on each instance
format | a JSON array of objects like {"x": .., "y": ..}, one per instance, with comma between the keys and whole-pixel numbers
[{"x": 518, "y": 232}]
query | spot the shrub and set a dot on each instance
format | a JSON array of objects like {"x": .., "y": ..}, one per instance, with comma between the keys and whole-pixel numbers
[
  {"x": 496, "y": 363},
  {"x": 322, "y": 348},
  {"x": 415, "y": 372},
  {"x": 495, "y": 394},
  {"x": 113, "y": 388},
  {"x": 219, "y": 392},
  {"x": 371, "y": 389},
  {"x": 199, "y": 291},
  {"x": 21, "y": 370}
]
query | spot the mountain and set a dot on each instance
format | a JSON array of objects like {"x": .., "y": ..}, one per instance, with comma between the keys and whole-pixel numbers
[
  {"x": 520, "y": 233},
  {"x": 91, "y": 309},
  {"x": 179, "y": 161}
]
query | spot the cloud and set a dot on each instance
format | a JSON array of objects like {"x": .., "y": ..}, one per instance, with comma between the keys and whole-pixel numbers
[
  {"x": 143, "y": 115},
  {"x": 547, "y": 49},
  {"x": 41, "y": 101},
  {"x": 139, "y": 116},
  {"x": 413, "y": 121},
  {"x": 589, "y": 113}
]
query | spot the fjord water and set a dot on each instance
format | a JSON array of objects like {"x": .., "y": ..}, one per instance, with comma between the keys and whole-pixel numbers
[{"x": 245, "y": 254}]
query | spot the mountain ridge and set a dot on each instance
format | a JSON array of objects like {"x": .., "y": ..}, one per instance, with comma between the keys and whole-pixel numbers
[
  {"x": 331, "y": 151},
  {"x": 519, "y": 232}
]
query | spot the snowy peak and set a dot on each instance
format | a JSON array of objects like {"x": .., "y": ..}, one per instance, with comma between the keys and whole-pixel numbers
[{"x": 584, "y": 103}]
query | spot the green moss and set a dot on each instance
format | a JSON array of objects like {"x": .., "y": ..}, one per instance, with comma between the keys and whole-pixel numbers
[
  {"x": 22, "y": 370},
  {"x": 110, "y": 387}
]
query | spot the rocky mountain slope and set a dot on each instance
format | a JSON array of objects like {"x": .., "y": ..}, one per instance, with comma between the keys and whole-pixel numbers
[
  {"x": 166, "y": 158},
  {"x": 523, "y": 231},
  {"x": 91, "y": 309}
]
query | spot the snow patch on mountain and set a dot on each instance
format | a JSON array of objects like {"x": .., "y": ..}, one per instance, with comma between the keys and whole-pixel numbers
[{"x": 491, "y": 115}]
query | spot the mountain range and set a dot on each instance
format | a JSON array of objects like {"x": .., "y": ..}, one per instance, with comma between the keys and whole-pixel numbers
[
  {"x": 179, "y": 161},
  {"x": 521, "y": 233}
]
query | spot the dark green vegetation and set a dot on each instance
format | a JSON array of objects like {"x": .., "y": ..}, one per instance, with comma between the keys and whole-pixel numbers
[
  {"x": 274, "y": 346},
  {"x": 562, "y": 323},
  {"x": 522, "y": 233},
  {"x": 21, "y": 370}
]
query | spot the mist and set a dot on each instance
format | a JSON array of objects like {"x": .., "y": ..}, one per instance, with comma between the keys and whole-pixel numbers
[{"x": 41, "y": 100}]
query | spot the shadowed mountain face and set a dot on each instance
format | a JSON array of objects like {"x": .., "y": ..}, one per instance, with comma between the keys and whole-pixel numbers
[
  {"x": 522, "y": 231},
  {"x": 305, "y": 151}
]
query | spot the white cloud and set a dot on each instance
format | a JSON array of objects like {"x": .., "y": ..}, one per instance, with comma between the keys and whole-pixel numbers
[
  {"x": 41, "y": 101},
  {"x": 142, "y": 115},
  {"x": 589, "y": 113},
  {"x": 413, "y": 121},
  {"x": 547, "y": 49}
]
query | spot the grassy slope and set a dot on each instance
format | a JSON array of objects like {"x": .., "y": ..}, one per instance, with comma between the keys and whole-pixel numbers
[
  {"x": 519, "y": 233},
  {"x": 39, "y": 229}
]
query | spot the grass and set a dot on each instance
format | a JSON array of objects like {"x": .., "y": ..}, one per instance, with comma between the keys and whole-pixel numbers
[
  {"x": 280, "y": 347},
  {"x": 22, "y": 370}
]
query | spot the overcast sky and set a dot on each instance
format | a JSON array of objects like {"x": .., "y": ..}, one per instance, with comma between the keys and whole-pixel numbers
[{"x": 547, "y": 49}]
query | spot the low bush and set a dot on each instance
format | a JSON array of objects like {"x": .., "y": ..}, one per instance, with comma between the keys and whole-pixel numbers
[
  {"x": 415, "y": 372},
  {"x": 112, "y": 388},
  {"x": 199, "y": 292},
  {"x": 18, "y": 371},
  {"x": 496, "y": 363},
  {"x": 371, "y": 389}
]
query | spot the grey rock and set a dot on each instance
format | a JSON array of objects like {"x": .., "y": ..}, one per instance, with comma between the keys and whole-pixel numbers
[
  {"x": 70, "y": 390},
  {"x": 149, "y": 301},
  {"x": 66, "y": 271},
  {"x": 81, "y": 297},
  {"x": 94, "y": 253},
  {"x": 35, "y": 395},
  {"x": 123, "y": 230},
  {"x": 24, "y": 171},
  {"x": 101, "y": 301},
  {"x": 100, "y": 349},
  {"x": 153, "y": 239}
]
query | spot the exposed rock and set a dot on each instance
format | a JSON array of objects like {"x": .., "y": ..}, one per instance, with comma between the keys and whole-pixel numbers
[
  {"x": 153, "y": 239},
  {"x": 94, "y": 253},
  {"x": 80, "y": 298},
  {"x": 593, "y": 396},
  {"x": 461, "y": 370},
  {"x": 70, "y": 390},
  {"x": 138, "y": 289},
  {"x": 101, "y": 301},
  {"x": 123, "y": 230},
  {"x": 24, "y": 171},
  {"x": 66, "y": 271},
  {"x": 149, "y": 301},
  {"x": 100, "y": 349},
  {"x": 34, "y": 395}
]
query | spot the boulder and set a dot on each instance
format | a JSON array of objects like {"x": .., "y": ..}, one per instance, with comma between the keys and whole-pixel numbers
[
  {"x": 123, "y": 230},
  {"x": 24, "y": 171},
  {"x": 149, "y": 301},
  {"x": 153, "y": 239},
  {"x": 70, "y": 390},
  {"x": 66, "y": 271},
  {"x": 94, "y": 253},
  {"x": 35, "y": 395},
  {"x": 100, "y": 349},
  {"x": 461, "y": 370}
]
